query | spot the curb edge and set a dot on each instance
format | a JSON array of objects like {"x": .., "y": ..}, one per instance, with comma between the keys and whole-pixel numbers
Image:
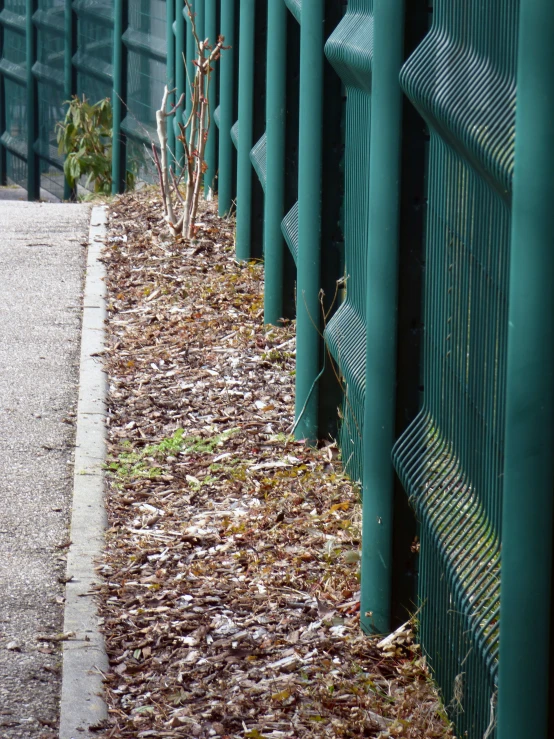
[{"x": 84, "y": 656}]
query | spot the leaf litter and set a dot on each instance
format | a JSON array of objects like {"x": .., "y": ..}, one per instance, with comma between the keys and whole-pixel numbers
[{"x": 230, "y": 594}]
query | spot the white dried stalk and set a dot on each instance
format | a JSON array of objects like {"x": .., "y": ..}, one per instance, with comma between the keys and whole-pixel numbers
[{"x": 194, "y": 134}]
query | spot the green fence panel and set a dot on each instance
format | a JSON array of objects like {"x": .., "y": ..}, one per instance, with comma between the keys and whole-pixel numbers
[
  {"x": 289, "y": 224},
  {"x": 146, "y": 56},
  {"x": 246, "y": 55},
  {"x": 211, "y": 31},
  {"x": 450, "y": 460},
  {"x": 170, "y": 75},
  {"x": 180, "y": 77},
  {"x": 295, "y": 7},
  {"x": 186, "y": 53},
  {"x": 312, "y": 227},
  {"x": 94, "y": 57},
  {"x": 189, "y": 56},
  {"x": 250, "y": 128},
  {"x": 13, "y": 68},
  {"x": 33, "y": 163},
  {"x": 269, "y": 158},
  {"x": 226, "y": 113},
  {"x": 49, "y": 80},
  {"x": 350, "y": 51},
  {"x": 52, "y": 49},
  {"x": 3, "y": 163},
  {"x": 180, "y": 70},
  {"x": 70, "y": 73}
]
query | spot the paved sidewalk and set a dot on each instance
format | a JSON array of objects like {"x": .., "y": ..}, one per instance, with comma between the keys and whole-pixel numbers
[{"x": 41, "y": 271}]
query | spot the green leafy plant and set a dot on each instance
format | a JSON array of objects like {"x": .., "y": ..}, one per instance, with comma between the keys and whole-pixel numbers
[{"x": 85, "y": 138}]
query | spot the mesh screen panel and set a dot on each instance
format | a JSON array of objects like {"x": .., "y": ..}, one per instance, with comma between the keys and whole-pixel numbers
[
  {"x": 94, "y": 57},
  {"x": 49, "y": 71},
  {"x": 350, "y": 50},
  {"x": 16, "y": 170},
  {"x": 13, "y": 65},
  {"x": 145, "y": 44},
  {"x": 462, "y": 81},
  {"x": 16, "y": 114},
  {"x": 14, "y": 46},
  {"x": 145, "y": 40}
]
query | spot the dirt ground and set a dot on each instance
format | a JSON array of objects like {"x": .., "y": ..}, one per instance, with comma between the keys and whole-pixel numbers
[{"x": 231, "y": 594}]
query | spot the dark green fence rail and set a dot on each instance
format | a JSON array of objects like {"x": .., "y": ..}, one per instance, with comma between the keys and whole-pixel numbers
[
  {"x": 13, "y": 105},
  {"x": 451, "y": 458},
  {"x": 391, "y": 163},
  {"x": 350, "y": 51}
]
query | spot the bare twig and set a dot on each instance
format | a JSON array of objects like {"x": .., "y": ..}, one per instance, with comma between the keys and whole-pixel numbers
[{"x": 193, "y": 135}]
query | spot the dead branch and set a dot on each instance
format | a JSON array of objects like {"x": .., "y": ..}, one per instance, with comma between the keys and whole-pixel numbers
[{"x": 194, "y": 134}]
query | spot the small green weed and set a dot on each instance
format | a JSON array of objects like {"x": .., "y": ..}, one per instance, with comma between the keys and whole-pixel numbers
[
  {"x": 141, "y": 463},
  {"x": 276, "y": 356},
  {"x": 132, "y": 465}
]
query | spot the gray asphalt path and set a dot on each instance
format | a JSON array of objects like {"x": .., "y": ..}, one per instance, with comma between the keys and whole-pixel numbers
[{"x": 41, "y": 273}]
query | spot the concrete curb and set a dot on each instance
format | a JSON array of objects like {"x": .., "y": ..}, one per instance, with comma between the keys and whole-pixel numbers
[{"x": 84, "y": 656}]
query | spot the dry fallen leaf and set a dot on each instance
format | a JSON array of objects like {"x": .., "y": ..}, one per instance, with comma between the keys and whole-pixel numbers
[
  {"x": 230, "y": 595},
  {"x": 56, "y": 637}
]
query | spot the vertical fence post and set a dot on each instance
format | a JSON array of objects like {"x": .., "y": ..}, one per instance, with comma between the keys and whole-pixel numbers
[
  {"x": 199, "y": 19},
  {"x": 70, "y": 73},
  {"x": 190, "y": 55},
  {"x": 170, "y": 74},
  {"x": 3, "y": 159},
  {"x": 308, "y": 320},
  {"x": 381, "y": 316},
  {"x": 33, "y": 162},
  {"x": 526, "y": 570},
  {"x": 200, "y": 14},
  {"x": 275, "y": 159},
  {"x": 119, "y": 98},
  {"x": 211, "y": 31},
  {"x": 226, "y": 94},
  {"x": 246, "y": 114},
  {"x": 180, "y": 77}
]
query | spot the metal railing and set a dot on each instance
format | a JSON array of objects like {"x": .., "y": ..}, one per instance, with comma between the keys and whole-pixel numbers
[{"x": 397, "y": 185}]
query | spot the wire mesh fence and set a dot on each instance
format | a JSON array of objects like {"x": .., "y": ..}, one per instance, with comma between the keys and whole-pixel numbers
[{"x": 369, "y": 149}]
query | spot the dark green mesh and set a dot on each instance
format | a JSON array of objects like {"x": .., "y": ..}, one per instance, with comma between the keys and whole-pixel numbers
[
  {"x": 13, "y": 66},
  {"x": 14, "y": 45},
  {"x": 145, "y": 42},
  {"x": 94, "y": 57},
  {"x": 350, "y": 51},
  {"x": 16, "y": 117},
  {"x": 450, "y": 460},
  {"x": 51, "y": 111},
  {"x": 49, "y": 72}
]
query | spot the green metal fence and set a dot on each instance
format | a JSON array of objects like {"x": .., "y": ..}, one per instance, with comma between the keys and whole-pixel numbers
[
  {"x": 451, "y": 458},
  {"x": 397, "y": 184},
  {"x": 52, "y": 49},
  {"x": 13, "y": 82}
]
